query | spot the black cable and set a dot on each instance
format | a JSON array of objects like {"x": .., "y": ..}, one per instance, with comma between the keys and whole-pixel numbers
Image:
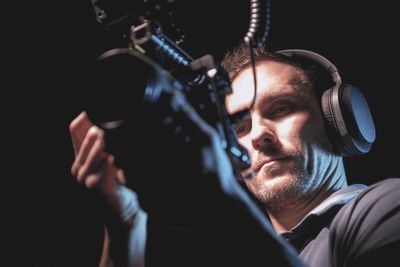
[
  {"x": 253, "y": 67},
  {"x": 252, "y": 39}
]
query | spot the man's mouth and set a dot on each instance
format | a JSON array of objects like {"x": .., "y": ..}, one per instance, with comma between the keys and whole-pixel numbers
[{"x": 267, "y": 162}]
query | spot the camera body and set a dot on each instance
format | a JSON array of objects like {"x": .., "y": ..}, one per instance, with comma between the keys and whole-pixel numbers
[{"x": 141, "y": 83}]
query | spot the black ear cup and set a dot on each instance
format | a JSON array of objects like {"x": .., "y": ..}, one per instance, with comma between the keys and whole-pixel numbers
[
  {"x": 349, "y": 120},
  {"x": 328, "y": 115},
  {"x": 345, "y": 109}
]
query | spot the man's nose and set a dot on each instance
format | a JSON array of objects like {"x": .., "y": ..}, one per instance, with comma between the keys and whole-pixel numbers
[{"x": 261, "y": 136}]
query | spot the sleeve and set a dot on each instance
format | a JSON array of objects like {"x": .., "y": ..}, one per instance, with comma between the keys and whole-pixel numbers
[
  {"x": 127, "y": 227},
  {"x": 366, "y": 232}
]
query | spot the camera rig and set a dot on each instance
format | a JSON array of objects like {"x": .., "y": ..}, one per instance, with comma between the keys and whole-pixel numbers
[{"x": 159, "y": 66}]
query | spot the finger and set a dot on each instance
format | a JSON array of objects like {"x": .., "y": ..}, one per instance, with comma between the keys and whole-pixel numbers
[
  {"x": 94, "y": 178},
  {"x": 78, "y": 129},
  {"x": 121, "y": 176},
  {"x": 93, "y": 134},
  {"x": 107, "y": 182},
  {"x": 95, "y": 156}
]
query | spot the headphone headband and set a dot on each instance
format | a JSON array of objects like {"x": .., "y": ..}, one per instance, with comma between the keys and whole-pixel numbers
[{"x": 323, "y": 61}]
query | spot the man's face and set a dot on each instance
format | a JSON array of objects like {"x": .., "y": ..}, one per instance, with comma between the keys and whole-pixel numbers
[{"x": 284, "y": 134}]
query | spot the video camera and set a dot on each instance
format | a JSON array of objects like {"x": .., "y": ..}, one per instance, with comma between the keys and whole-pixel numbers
[{"x": 155, "y": 70}]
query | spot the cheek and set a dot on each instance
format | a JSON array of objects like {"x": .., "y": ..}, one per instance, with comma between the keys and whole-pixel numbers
[
  {"x": 302, "y": 130},
  {"x": 313, "y": 132},
  {"x": 289, "y": 133}
]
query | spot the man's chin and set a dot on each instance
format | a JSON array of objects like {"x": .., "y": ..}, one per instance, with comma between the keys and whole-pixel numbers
[
  {"x": 274, "y": 191},
  {"x": 265, "y": 182}
]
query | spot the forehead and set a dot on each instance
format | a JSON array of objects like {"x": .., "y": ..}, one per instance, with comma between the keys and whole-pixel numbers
[{"x": 273, "y": 78}]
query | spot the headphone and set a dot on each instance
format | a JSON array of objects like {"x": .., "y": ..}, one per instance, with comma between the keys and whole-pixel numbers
[{"x": 344, "y": 107}]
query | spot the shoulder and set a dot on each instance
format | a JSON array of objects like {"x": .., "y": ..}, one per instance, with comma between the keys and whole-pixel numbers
[
  {"x": 378, "y": 198},
  {"x": 369, "y": 224},
  {"x": 372, "y": 207},
  {"x": 387, "y": 186}
]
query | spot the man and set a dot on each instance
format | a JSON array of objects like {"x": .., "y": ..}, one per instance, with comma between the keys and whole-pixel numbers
[
  {"x": 300, "y": 178},
  {"x": 285, "y": 135}
]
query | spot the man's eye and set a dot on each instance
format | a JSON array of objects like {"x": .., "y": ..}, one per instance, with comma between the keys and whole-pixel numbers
[
  {"x": 242, "y": 128},
  {"x": 281, "y": 110}
]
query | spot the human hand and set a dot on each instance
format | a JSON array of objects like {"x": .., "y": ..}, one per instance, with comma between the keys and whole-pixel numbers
[{"x": 93, "y": 166}]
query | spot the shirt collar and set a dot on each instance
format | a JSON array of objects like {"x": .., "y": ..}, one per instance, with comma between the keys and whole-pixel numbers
[
  {"x": 340, "y": 197},
  {"x": 326, "y": 209}
]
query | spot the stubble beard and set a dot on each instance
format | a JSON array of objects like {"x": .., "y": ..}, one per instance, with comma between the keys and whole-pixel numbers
[{"x": 284, "y": 188}]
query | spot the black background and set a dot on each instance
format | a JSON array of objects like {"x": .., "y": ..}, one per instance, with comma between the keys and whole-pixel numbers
[{"x": 55, "y": 221}]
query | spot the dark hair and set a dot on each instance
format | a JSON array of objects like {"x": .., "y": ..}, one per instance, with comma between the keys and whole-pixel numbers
[{"x": 311, "y": 75}]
